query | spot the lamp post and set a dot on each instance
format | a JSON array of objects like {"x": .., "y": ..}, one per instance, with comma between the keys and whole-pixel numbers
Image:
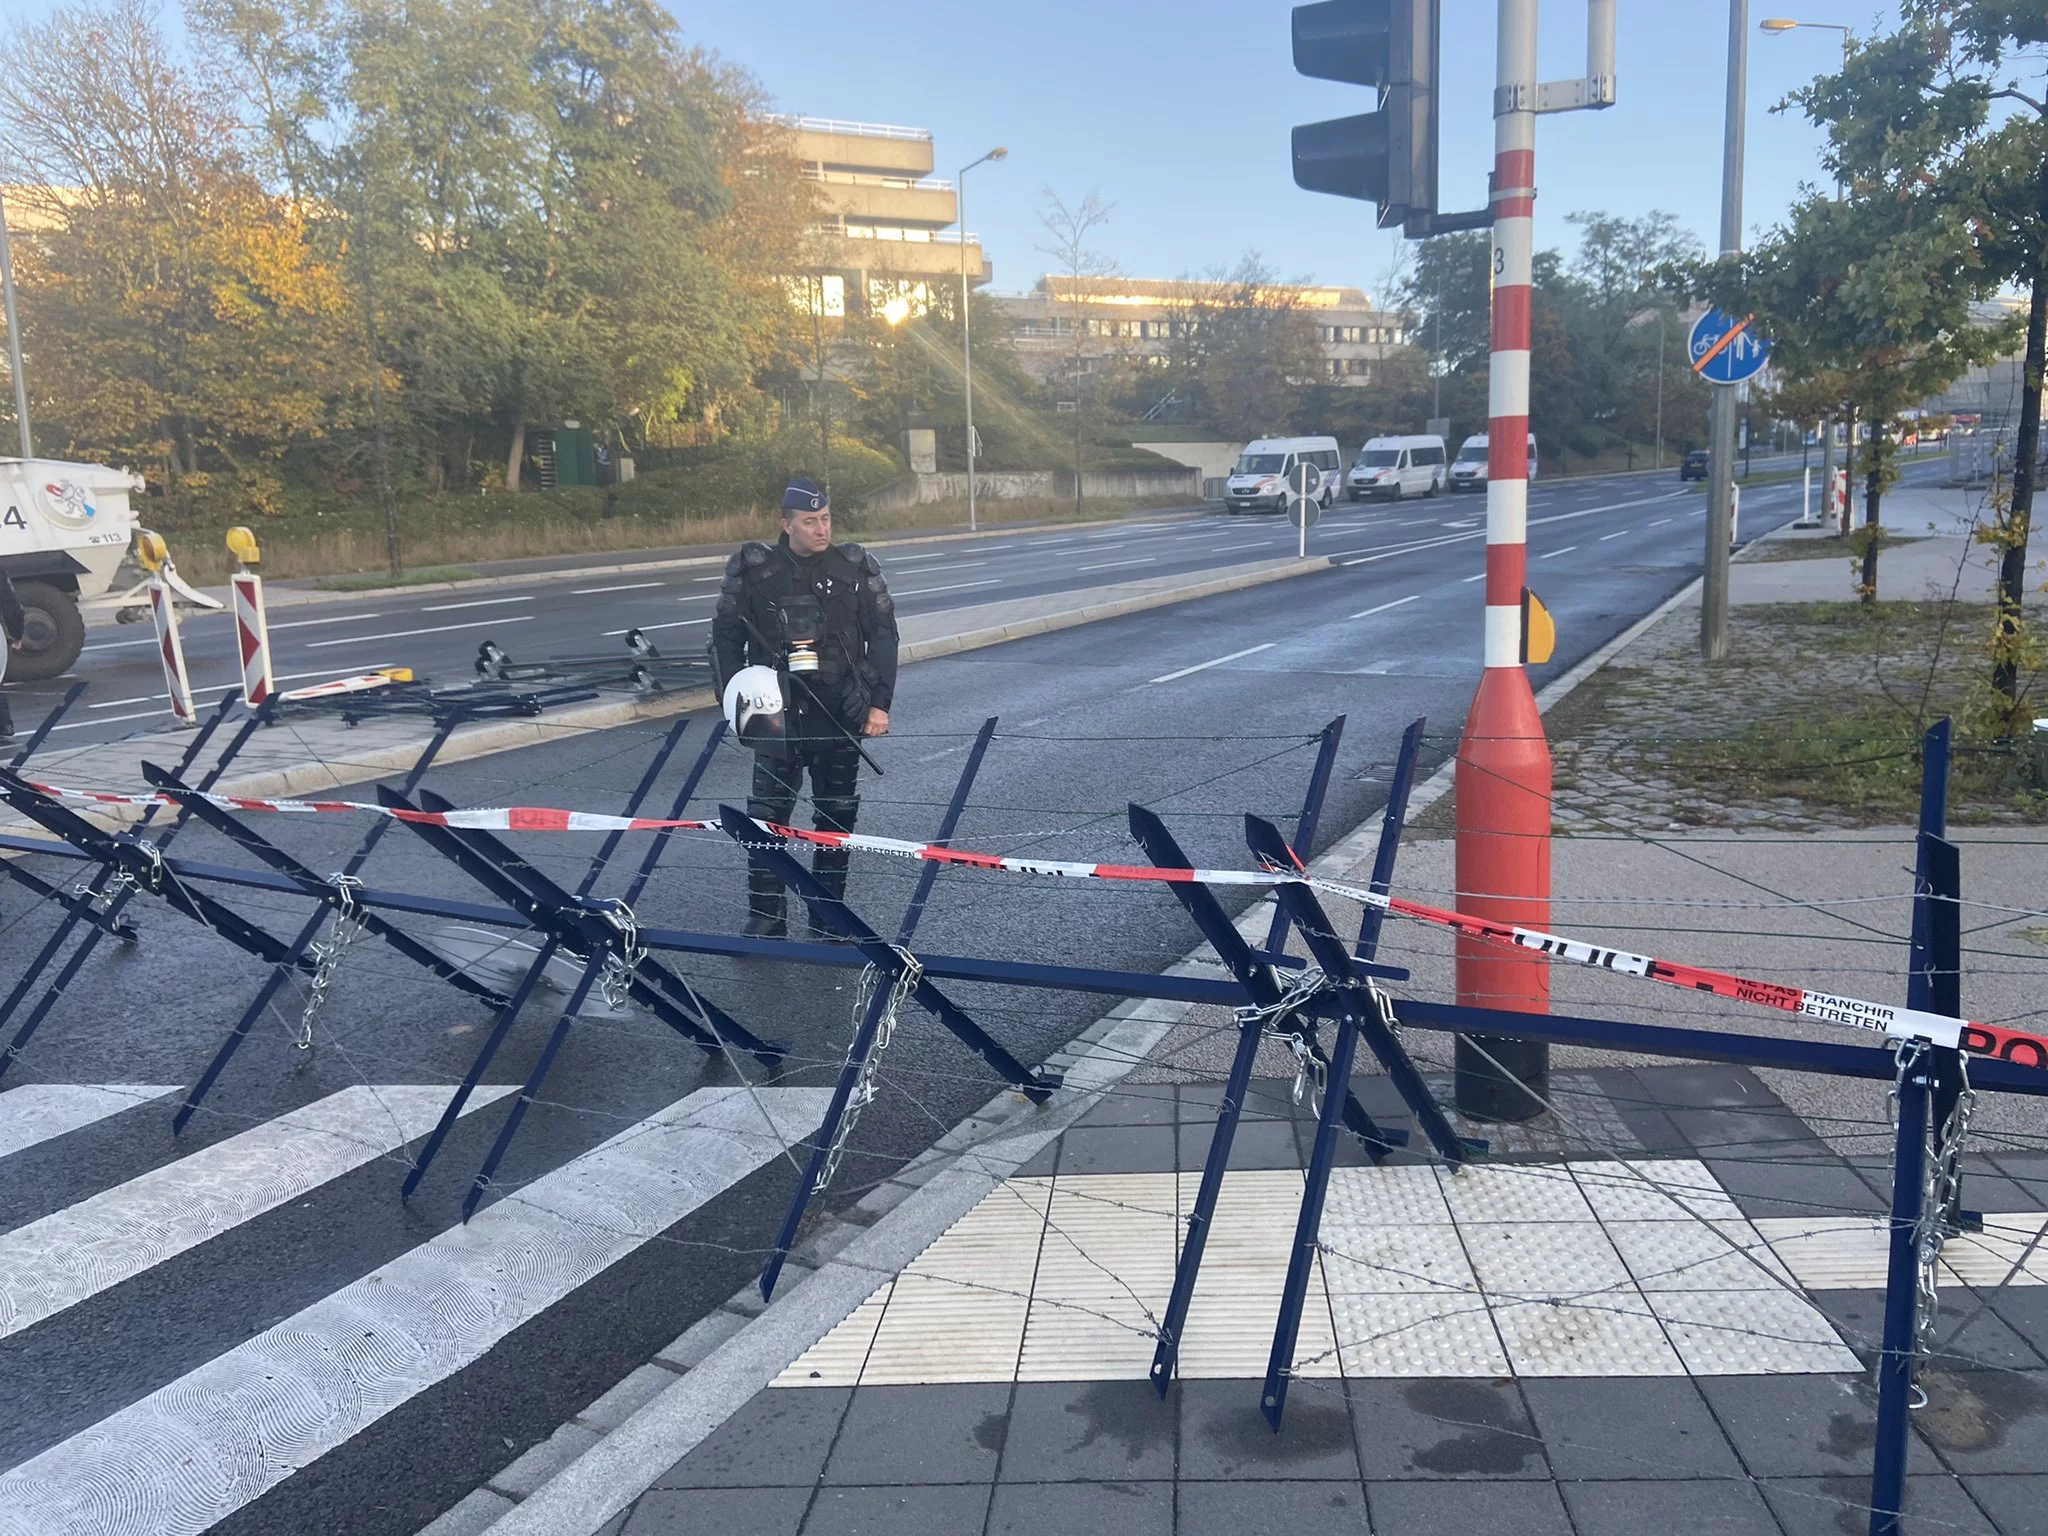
[
  {"x": 1721, "y": 404},
  {"x": 1777, "y": 26},
  {"x": 966, "y": 330}
]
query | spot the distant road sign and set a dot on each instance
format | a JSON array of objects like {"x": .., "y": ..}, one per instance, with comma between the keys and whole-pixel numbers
[
  {"x": 1725, "y": 350},
  {"x": 1304, "y": 512},
  {"x": 1304, "y": 479}
]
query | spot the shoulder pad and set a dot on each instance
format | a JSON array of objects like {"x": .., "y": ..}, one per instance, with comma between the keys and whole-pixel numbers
[
  {"x": 753, "y": 552},
  {"x": 859, "y": 557}
]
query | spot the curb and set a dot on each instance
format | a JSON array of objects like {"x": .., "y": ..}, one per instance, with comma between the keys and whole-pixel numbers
[{"x": 306, "y": 597}]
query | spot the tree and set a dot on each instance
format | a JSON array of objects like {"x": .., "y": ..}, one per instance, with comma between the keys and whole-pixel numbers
[
  {"x": 1069, "y": 232},
  {"x": 1914, "y": 109},
  {"x": 1244, "y": 348},
  {"x": 178, "y": 312}
]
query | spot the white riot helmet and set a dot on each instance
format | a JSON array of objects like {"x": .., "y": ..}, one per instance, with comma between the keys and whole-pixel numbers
[{"x": 753, "y": 706}]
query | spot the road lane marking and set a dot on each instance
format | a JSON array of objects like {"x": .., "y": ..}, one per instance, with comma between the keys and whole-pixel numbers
[
  {"x": 407, "y": 634},
  {"x": 644, "y": 628},
  {"x": 188, "y": 1455},
  {"x": 1619, "y": 534},
  {"x": 1206, "y": 665},
  {"x": 346, "y": 618},
  {"x": 1111, "y": 565},
  {"x": 482, "y": 602},
  {"x": 630, "y": 586},
  {"x": 1553, "y": 554},
  {"x": 1224, "y": 549},
  {"x": 39, "y": 1112},
  {"x": 937, "y": 554},
  {"x": 957, "y": 586},
  {"x": 1481, "y": 576},
  {"x": 72, "y": 1255},
  {"x": 1366, "y": 613},
  {"x": 1659, "y": 523},
  {"x": 965, "y": 565}
]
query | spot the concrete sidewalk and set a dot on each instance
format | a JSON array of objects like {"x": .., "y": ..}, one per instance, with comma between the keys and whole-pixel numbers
[
  {"x": 302, "y": 757},
  {"x": 1944, "y": 558}
]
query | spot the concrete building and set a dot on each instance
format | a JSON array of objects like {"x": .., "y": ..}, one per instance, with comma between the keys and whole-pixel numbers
[
  {"x": 1135, "y": 318},
  {"x": 888, "y": 231}
]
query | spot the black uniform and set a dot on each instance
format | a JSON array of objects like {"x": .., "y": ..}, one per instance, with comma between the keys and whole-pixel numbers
[{"x": 761, "y": 607}]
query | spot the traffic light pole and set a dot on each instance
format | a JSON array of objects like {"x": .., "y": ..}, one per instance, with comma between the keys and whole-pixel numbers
[{"x": 1503, "y": 770}]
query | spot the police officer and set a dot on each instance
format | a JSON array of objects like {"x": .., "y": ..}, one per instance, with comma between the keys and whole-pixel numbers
[
  {"x": 13, "y": 636},
  {"x": 820, "y": 614}
]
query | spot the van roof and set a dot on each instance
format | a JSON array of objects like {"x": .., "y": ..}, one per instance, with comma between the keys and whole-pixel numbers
[{"x": 1271, "y": 444}]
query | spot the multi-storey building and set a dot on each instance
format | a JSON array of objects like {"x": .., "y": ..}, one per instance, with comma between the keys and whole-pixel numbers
[
  {"x": 1135, "y": 318},
  {"x": 888, "y": 229}
]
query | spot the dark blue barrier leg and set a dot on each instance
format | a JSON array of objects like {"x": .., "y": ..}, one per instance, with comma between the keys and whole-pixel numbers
[
  {"x": 1901, "y": 1298},
  {"x": 1392, "y": 825},
  {"x": 1305, "y": 827},
  {"x": 817, "y": 1171}
]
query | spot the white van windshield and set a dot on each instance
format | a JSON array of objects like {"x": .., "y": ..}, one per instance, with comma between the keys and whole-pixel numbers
[
  {"x": 1472, "y": 453},
  {"x": 1379, "y": 458},
  {"x": 1261, "y": 463}
]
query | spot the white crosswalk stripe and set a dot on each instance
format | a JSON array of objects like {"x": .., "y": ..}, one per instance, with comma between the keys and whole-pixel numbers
[
  {"x": 39, "y": 1112},
  {"x": 80, "y": 1251},
  {"x": 200, "y": 1447}
]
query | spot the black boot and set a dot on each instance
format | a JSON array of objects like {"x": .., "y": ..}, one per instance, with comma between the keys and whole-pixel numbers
[
  {"x": 828, "y": 865},
  {"x": 767, "y": 908}
]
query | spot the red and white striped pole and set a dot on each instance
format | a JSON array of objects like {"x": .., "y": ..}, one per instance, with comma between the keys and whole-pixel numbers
[
  {"x": 1503, "y": 771},
  {"x": 171, "y": 650},
  {"x": 252, "y": 637}
]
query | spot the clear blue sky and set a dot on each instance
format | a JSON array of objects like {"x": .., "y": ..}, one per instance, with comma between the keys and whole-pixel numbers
[{"x": 1178, "y": 114}]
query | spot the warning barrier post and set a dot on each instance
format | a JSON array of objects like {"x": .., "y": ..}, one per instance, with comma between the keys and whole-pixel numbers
[
  {"x": 252, "y": 637},
  {"x": 171, "y": 649},
  {"x": 1503, "y": 770}
]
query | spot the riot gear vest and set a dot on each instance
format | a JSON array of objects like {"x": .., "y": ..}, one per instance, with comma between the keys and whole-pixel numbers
[{"x": 825, "y": 622}]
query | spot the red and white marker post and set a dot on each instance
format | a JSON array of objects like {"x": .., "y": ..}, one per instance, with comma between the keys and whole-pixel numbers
[
  {"x": 1503, "y": 769},
  {"x": 171, "y": 649},
  {"x": 252, "y": 638}
]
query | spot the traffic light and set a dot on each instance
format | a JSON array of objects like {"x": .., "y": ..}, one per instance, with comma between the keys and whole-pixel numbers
[{"x": 1386, "y": 157}]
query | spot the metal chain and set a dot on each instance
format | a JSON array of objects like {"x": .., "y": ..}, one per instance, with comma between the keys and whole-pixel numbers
[
  {"x": 1311, "y": 1075},
  {"x": 1939, "y": 1194},
  {"x": 615, "y": 981},
  {"x": 909, "y": 973},
  {"x": 348, "y": 922}
]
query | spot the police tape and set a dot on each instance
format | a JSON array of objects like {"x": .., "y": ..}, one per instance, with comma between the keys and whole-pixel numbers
[{"x": 1897, "y": 1023}]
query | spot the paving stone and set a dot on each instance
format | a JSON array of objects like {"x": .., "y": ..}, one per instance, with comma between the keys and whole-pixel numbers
[
  {"x": 616, "y": 1526},
  {"x": 1623, "y": 1428},
  {"x": 478, "y": 1511},
  {"x": 543, "y": 1461},
  {"x": 718, "y": 1512},
  {"x": 778, "y": 1439},
  {"x": 1840, "y": 1506},
  {"x": 1135, "y": 1104},
  {"x": 956, "y": 1510},
  {"x": 947, "y": 1434},
  {"x": 1082, "y": 1509},
  {"x": 1043, "y": 1163},
  {"x": 1256, "y": 1144},
  {"x": 1719, "y": 1132},
  {"x": 2029, "y": 1171},
  {"x": 1762, "y": 1186},
  {"x": 625, "y": 1399},
  {"x": 1439, "y": 1428},
  {"x": 1118, "y": 1149},
  {"x": 1967, "y": 1335},
  {"x": 1696, "y": 1508},
  {"x": 1706, "y": 1085},
  {"x": 1276, "y": 1509},
  {"x": 1802, "y": 1426},
  {"x": 1223, "y": 1434},
  {"x": 2019, "y": 1503},
  {"x": 2024, "y": 1308},
  {"x": 1267, "y": 1098},
  {"x": 1468, "y": 1509},
  {"x": 1986, "y": 1421},
  {"x": 1078, "y": 1431},
  {"x": 696, "y": 1342}
]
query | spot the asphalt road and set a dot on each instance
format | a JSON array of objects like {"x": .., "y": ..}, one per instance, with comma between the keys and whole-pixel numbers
[
  {"x": 1202, "y": 711},
  {"x": 437, "y": 633}
]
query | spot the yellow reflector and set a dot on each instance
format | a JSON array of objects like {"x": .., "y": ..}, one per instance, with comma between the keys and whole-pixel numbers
[
  {"x": 1539, "y": 633},
  {"x": 151, "y": 550},
  {"x": 396, "y": 674},
  {"x": 242, "y": 545}
]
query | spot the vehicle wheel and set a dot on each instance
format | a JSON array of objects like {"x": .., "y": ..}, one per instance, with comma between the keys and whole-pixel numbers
[
  {"x": 1355, "y": 496},
  {"x": 1430, "y": 494},
  {"x": 1397, "y": 496},
  {"x": 55, "y": 634}
]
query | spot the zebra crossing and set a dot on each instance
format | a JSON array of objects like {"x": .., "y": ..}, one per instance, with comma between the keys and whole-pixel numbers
[{"x": 209, "y": 1440}]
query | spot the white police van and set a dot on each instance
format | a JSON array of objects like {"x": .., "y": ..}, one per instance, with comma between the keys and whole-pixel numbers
[
  {"x": 1398, "y": 466},
  {"x": 1468, "y": 469},
  {"x": 1259, "y": 483}
]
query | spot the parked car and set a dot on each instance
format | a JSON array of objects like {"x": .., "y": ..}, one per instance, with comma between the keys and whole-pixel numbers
[
  {"x": 1694, "y": 465},
  {"x": 1468, "y": 469},
  {"x": 1395, "y": 467},
  {"x": 1259, "y": 483}
]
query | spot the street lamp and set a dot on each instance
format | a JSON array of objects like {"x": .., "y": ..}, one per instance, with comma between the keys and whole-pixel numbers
[
  {"x": 966, "y": 334},
  {"x": 1777, "y": 26}
]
